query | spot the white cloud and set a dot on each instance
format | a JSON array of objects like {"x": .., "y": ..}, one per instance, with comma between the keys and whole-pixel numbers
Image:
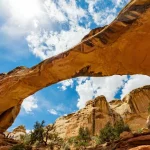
[
  {"x": 53, "y": 112},
  {"x": 42, "y": 22},
  {"x": 106, "y": 13},
  {"x": 119, "y": 3},
  {"x": 88, "y": 88},
  {"x": 20, "y": 16},
  {"x": 66, "y": 83},
  {"x": 53, "y": 11},
  {"x": 29, "y": 104},
  {"x": 107, "y": 86},
  {"x": 135, "y": 81},
  {"x": 47, "y": 44},
  {"x": 28, "y": 131}
]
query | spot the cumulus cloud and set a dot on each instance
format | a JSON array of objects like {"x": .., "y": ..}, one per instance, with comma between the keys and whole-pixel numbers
[
  {"x": 134, "y": 82},
  {"x": 53, "y": 112},
  {"x": 50, "y": 26},
  {"x": 29, "y": 104},
  {"x": 28, "y": 131},
  {"x": 20, "y": 16},
  {"x": 104, "y": 12},
  {"x": 74, "y": 22},
  {"x": 65, "y": 84},
  {"x": 47, "y": 44},
  {"x": 88, "y": 88},
  {"x": 92, "y": 87}
]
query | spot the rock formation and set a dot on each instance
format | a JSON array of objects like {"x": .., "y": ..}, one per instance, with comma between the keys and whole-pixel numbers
[
  {"x": 17, "y": 133},
  {"x": 133, "y": 109},
  {"x": 94, "y": 116},
  {"x": 119, "y": 48},
  {"x": 137, "y": 142},
  {"x": 6, "y": 143}
]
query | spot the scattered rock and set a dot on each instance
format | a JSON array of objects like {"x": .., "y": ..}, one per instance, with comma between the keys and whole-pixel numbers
[
  {"x": 126, "y": 135},
  {"x": 145, "y": 147}
]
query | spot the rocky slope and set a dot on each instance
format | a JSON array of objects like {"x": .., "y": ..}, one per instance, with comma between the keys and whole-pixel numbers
[
  {"x": 6, "y": 143},
  {"x": 16, "y": 133},
  {"x": 136, "y": 142},
  {"x": 126, "y": 39},
  {"x": 94, "y": 116},
  {"x": 133, "y": 109}
]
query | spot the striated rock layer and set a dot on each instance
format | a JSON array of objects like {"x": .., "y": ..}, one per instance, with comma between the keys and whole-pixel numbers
[
  {"x": 17, "y": 133},
  {"x": 119, "y": 48},
  {"x": 137, "y": 142},
  {"x": 133, "y": 109},
  {"x": 94, "y": 116}
]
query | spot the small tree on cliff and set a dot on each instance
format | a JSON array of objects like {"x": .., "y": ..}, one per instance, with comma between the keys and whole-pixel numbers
[
  {"x": 42, "y": 136},
  {"x": 37, "y": 133},
  {"x": 110, "y": 133},
  {"x": 82, "y": 140}
]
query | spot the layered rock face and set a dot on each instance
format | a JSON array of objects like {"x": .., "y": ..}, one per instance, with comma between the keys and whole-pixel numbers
[
  {"x": 5, "y": 143},
  {"x": 136, "y": 142},
  {"x": 94, "y": 116},
  {"x": 17, "y": 133},
  {"x": 133, "y": 109},
  {"x": 126, "y": 39}
]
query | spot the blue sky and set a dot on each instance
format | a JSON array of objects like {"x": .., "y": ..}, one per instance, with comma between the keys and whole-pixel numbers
[{"x": 31, "y": 31}]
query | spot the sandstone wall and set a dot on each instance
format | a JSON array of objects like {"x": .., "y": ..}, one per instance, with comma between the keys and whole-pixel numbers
[{"x": 133, "y": 109}]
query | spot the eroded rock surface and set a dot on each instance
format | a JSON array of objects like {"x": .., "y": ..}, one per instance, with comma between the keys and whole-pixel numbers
[
  {"x": 137, "y": 142},
  {"x": 17, "y": 133},
  {"x": 119, "y": 48},
  {"x": 133, "y": 109},
  {"x": 94, "y": 116},
  {"x": 6, "y": 143}
]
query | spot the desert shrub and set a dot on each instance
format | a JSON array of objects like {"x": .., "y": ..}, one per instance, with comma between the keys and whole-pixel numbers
[
  {"x": 21, "y": 147},
  {"x": 82, "y": 140},
  {"x": 71, "y": 140},
  {"x": 139, "y": 130},
  {"x": 66, "y": 146},
  {"x": 37, "y": 133},
  {"x": 107, "y": 134},
  {"x": 97, "y": 140},
  {"x": 55, "y": 141},
  {"x": 110, "y": 133},
  {"x": 119, "y": 127},
  {"x": 25, "y": 139}
]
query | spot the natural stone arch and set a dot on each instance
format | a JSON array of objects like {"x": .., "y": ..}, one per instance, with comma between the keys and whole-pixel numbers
[{"x": 119, "y": 48}]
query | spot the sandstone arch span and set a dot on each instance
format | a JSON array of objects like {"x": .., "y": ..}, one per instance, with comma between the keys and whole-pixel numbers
[{"x": 123, "y": 47}]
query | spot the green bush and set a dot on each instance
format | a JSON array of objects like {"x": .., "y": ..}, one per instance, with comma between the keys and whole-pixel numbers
[
  {"x": 25, "y": 139},
  {"x": 82, "y": 140},
  {"x": 21, "y": 147},
  {"x": 37, "y": 133},
  {"x": 110, "y": 133},
  {"x": 66, "y": 146},
  {"x": 107, "y": 134}
]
